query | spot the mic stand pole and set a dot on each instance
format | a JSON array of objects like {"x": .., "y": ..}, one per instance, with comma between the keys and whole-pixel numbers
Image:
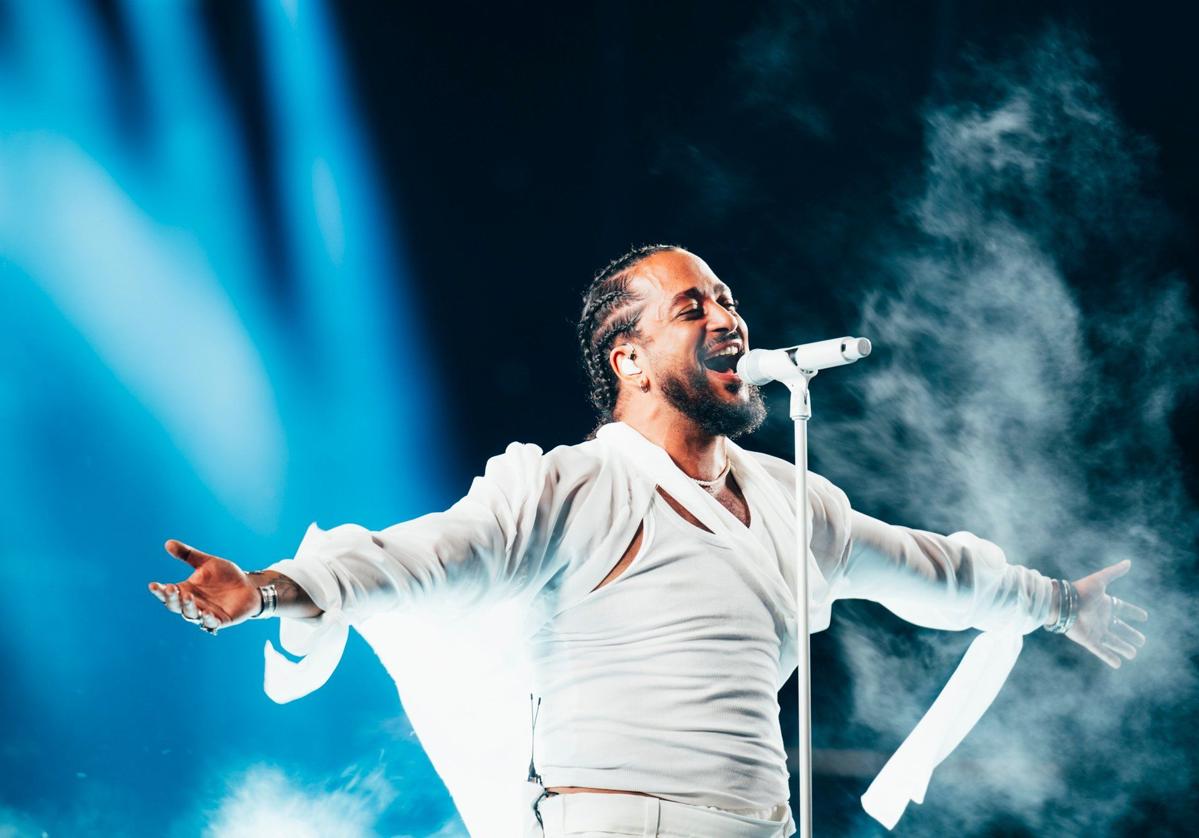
[
  {"x": 796, "y": 366},
  {"x": 801, "y": 412}
]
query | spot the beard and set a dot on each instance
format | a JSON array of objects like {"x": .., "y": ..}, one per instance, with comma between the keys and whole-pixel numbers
[{"x": 691, "y": 395}]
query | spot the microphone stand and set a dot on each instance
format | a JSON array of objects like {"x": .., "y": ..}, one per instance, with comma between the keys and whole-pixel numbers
[
  {"x": 796, "y": 366},
  {"x": 801, "y": 412}
]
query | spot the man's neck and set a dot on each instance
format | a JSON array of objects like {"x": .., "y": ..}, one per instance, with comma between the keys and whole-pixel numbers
[{"x": 698, "y": 454}]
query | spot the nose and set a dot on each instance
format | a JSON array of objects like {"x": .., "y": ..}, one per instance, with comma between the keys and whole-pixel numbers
[{"x": 720, "y": 319}]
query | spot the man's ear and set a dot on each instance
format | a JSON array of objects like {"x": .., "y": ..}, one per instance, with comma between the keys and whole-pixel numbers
[{"x": 624, "y": 356}]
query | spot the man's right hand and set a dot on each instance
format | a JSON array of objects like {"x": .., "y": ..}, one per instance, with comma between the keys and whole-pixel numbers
[{"x": 216, "y": 595}]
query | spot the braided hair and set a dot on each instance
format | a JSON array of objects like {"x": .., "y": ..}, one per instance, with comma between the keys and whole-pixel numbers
[{"x": 608, "y": 315}]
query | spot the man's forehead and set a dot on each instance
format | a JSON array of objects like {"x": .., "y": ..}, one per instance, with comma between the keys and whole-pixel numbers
[{"x": 672, "y": 275}]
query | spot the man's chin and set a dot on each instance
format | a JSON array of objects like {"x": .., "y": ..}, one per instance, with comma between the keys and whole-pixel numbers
[{"x": 738, "y": 410}]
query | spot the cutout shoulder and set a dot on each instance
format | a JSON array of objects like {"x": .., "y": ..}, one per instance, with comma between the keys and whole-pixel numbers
[{"x": 630, "y": 553}]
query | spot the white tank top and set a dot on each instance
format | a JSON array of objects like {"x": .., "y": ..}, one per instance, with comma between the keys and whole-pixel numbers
[{"x": 663, "y": 681}]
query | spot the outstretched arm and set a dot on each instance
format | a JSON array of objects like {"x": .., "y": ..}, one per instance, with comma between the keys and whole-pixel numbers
[
  {"x": 494, "y": 540},
  {"x": 219, "y": 593},
  {"x": 953, "y": 582},
  {"x": 961, "y": 581}
]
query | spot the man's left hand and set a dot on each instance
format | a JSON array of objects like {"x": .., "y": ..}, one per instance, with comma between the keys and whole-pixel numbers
[{"x": 1101, "y": 627}]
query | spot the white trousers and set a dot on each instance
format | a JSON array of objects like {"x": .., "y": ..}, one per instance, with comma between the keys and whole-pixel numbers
[{"x": 588, "y": 815}]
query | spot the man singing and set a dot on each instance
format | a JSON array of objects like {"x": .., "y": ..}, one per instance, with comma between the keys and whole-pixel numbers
[{"x": 656, "y": 560}]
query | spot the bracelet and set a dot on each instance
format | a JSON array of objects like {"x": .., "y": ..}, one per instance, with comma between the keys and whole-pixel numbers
[
  {"x": 1063, "y": 607},
  {"x": 270, "y": 600},
  {"x": 1073, "y": 591},
  {"x": 1067, "y": 607}
]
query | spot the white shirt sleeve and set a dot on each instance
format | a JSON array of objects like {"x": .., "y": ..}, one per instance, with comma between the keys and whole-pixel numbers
[
  {"x": 496, "y": 540},
  {"x": 951, "y": 582}
]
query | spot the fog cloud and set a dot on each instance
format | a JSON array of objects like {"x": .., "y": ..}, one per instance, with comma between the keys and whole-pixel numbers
[
  {"x": 1033, "y": 347},
  {"x": 265, "y": 800}
]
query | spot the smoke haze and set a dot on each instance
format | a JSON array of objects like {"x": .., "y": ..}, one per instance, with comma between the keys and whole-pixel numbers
[{"x": 1006, "y": 403}]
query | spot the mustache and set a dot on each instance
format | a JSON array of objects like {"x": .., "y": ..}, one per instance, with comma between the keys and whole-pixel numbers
[{"x": 724, "y": 342}]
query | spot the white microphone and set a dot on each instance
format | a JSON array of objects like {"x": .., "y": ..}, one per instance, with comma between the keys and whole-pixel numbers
[{"x": 761, "y": 366}]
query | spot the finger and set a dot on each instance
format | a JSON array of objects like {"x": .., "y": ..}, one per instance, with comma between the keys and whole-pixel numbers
[
  {"x": 156, "y": 589},
  {"x": 1107, "y": 656},
  {"x": 1120, "y": 647},
  {"x": 203, "y": 607},
  {"x": 1126, "y": 611},
  {"x": 189, "y": 609},
  {"x": 1113, "y": 572},
  {"x": 1127, "y": 633},
  {"x": 172, "y": 598},
  {"x": 179, "y": 550},
  {"x": 209, "y": 622},
  {"x": 194, "y": 611}
]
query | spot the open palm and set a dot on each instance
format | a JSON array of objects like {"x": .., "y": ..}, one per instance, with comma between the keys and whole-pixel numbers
[
  {"x": 217, "y": 594},
  {"x": 1101, "y": 627}
]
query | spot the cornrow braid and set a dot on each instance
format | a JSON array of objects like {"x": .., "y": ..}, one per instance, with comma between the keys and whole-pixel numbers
[{"x": 608, "y": 315}]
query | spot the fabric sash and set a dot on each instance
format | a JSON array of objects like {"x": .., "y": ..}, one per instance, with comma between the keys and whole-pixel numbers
[{"x": 962, "y": 702}]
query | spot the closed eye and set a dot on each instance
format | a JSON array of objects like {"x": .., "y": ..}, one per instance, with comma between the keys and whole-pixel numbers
[{"x": 690, "y": 313}]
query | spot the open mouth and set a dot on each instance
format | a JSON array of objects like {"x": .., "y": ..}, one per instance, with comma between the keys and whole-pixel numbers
[{"x": 724, "y": 363}]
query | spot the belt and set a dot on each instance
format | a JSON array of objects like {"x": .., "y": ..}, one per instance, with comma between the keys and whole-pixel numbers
[{"x": 632, "y": 814}]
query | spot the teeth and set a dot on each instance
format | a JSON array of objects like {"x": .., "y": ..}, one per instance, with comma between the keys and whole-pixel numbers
[{"x": 730, "y": 350}]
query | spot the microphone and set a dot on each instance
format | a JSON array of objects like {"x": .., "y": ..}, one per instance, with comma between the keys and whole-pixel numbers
[{"x": 761, "y": 366}]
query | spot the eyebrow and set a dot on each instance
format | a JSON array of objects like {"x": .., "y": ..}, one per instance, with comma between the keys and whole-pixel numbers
[{"x": 696, "y": 294}]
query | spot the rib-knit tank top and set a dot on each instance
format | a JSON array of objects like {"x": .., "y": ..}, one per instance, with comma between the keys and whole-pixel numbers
[{"x": 663, "y": 681}]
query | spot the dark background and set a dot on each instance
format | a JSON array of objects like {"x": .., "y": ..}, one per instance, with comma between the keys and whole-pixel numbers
[{"x": 525, "y": 147}]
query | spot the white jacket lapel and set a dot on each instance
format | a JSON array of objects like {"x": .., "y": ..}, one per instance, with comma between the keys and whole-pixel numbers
[{"x": 653, "y": 462}]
